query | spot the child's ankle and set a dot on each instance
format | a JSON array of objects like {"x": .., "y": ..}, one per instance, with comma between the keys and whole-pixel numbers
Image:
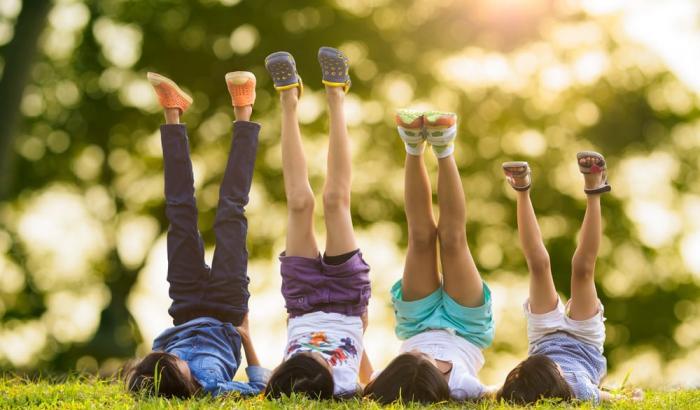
[
  {"x": 243, "y": 113},
  {"x": 172, "y": 115},
  {"x": 334, "y": 92},
  {"x": 289, "y": 97}
]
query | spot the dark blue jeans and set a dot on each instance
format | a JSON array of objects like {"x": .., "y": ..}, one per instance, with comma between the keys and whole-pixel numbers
[{"x": 196, "y": 289}]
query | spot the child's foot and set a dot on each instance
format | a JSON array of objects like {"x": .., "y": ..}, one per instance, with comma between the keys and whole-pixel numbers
[
  {"x": 241, "y": 86},
  {"x": 594, "y": 169},
  {"x": 518, "y": 175},
  {"x": 283, "y": 70},
  {"x": 335, "y": 67},
  {"x": 410, "y": 126},
  {"x": 169, "y": 94},
  {"x": 440, "y": 131}
]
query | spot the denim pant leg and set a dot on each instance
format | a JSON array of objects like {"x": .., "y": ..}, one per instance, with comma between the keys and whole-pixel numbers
[
  {"x": 186, "y": 267},
  {"x": 227, "y": 288}
]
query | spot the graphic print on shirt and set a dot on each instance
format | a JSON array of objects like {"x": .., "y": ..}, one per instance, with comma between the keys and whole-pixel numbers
[{"x": 336, "y": 352}]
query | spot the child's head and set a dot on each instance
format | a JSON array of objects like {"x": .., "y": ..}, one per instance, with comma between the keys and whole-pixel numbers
[
  {"x": 537, "y": 377},
  {"x": 304, "y": 373},
  {"x": 162, "y": 374},
  {"x": 410, "y": 377}
]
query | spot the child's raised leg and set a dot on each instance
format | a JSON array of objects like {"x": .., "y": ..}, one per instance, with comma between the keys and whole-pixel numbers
[
  {"x": 227, "y": 288},
  {"x": 420, "y": 277},
  {"x": 584, "y": 298},
  {"x": 460, "y": 274},
  {"x": 340, "y": 235},
  {"x": 300, "y": 198},
  {"x": 543, "y": 294},
  {"x": 186, "y": 266}
]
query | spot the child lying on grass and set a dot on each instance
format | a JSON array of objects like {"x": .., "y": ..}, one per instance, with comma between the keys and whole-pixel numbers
[
  {"x": 325, "y": 295},
  {"x": 443, "y": 315},
  {"x": 565, "y": 341},
  {"x": 202, "y": 352}
]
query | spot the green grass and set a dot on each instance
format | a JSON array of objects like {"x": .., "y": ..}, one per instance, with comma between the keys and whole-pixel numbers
[{"x": 89, "y": 393}]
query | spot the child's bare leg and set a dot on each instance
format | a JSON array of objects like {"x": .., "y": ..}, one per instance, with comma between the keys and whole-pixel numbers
[
  {"x": 340, "y": 235},
  {"x": 461, "y": 277},
  {"x": 172, "y": 115},
  {"x": 420, "y": 276},
  {"x": 300, "y": 197},
  {"x": 243, "y": 113},
  {"x": 543, "y": 294},
  {"x": 584, "y": 298}
]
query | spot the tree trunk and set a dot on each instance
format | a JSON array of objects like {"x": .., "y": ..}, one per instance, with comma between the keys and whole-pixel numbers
[{"x": 18, "y": 57}]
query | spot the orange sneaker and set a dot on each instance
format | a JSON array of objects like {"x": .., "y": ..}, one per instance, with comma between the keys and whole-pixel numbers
[
  {"x": 169, "y": 94},
  {"x": 241, "y": 86}
]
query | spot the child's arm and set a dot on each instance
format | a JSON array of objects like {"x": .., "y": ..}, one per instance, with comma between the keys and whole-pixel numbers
[
  {"x": 366, "y": 369},
  {"x": 257, "y": 375},
  {"x": 250, "y": 353},
  {"x": 607, "y": 396},
  {"x": 636, "y": 395}
]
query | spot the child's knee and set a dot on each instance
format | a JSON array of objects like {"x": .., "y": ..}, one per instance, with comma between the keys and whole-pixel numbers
[
  {"x": 334, "y": 200},
  {"x": 301, "y": 202},
  {"x": 452, "y": 237},
  {"x": 423, "y": 237},
  {"x": 582, "y": 267},
  {"x": 540, "y": 264}
]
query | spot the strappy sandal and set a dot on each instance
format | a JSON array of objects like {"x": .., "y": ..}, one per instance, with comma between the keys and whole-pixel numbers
[
  {"x": 335, "y": 67},
  {"x": 601, "y": 167},
  {"x": 283, "y": 70},
  {"x": 512, "y": 171}
]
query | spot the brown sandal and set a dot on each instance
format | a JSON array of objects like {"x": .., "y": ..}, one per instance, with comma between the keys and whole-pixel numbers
[
  {"x": 601, "y": 167},
  {"x": 511, "y": 169}
]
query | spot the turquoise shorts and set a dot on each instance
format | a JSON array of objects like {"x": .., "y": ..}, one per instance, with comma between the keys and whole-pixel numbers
[{"x": 439, "y": 311}]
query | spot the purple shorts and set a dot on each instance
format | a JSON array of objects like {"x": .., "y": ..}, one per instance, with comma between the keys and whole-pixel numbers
[{"x": 310, "y": 285}]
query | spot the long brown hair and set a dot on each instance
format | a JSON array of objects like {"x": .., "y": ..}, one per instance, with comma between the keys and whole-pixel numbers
[
  {"x": 409, "y": 378},
  {"x": 537, "y": 377},
  {"x": 160, "y": 374},
  {"x": 301, "y": 374}
]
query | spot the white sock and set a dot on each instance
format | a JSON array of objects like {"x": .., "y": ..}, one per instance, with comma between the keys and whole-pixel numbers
[{"x": 442, "y": 151}]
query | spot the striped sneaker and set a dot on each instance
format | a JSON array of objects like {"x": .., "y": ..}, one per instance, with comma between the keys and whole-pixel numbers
[
  {"x": 410, "y": 126},
  {"x": 169, "y": 94},
  {"x": 440, "y": 131},
  {"x": 241, "y": 86}
]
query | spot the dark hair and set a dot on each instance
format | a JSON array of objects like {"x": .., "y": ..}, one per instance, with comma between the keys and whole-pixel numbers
[
  {"x": 160, "y": 374},
  {"x": 409, "y": 378},
  {"x": 301, "y": 374},
  {"x": 537, "y": 377}
]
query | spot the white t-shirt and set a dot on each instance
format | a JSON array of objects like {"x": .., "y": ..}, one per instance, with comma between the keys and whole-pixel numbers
[
  {"x": 337, "y": 337},
  {"x": 466, "y": 359}
]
